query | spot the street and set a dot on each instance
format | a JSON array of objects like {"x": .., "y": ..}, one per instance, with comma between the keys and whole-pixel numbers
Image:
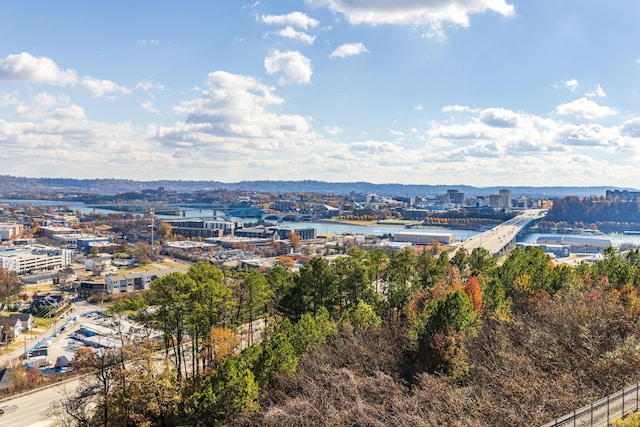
[{"x": 30, "y": 410}]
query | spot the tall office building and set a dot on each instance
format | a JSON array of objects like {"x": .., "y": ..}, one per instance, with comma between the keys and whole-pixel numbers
[
  {"x": 456, "y": 197},
  {"x": 504, "y": 197}
]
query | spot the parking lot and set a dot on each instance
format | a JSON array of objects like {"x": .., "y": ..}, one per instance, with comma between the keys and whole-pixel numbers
[{"x": 62, "y": 344}]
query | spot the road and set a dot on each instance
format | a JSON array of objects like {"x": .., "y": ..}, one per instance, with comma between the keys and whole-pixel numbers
[
  {"x": 30, "y": 410},
  {"x": 501, "y": 235}
]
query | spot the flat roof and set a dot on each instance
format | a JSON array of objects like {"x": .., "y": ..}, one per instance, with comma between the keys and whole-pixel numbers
[{"x": 413, "y": 232}]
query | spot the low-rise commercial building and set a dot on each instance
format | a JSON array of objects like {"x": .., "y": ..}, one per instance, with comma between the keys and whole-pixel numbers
[
  {"x": 423, "y": 238},
  {"x": 51, "y": 230},
  {"x": 98, "y": 264},
  {"x": 276, "y": 233},
  {"x": 415, "y": 214},
  {"x": 34, "y": 258},
  {"x": 200, "y": 227},
  {"x": 87, "y": 288},
  {"x": 576, "y": 244},
  {"x": 132, "y": 282},
  {"x": 10, "y": 231}
]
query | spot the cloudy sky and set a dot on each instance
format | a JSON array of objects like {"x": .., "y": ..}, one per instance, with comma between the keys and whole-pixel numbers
[{"x": 477, "y": 92}]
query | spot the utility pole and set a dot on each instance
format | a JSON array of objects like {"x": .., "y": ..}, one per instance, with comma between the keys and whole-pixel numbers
[{"x": 153, "y": 221}]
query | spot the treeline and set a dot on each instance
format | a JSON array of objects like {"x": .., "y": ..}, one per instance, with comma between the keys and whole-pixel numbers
[
  {"x": 463, "y": 218},
  {"x": 606, "y": 213},
  {"x": 375, "y": 338}
]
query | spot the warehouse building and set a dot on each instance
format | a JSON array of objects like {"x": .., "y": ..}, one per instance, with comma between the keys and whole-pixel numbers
[
  {"x": 576, "y": 244},
  {"x": 423, "y": 237}
]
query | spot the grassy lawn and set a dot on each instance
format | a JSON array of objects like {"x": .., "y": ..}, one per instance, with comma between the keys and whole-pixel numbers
[
  {"x": 170, "y": 264},
  {"x": 40, "y": 288},
  {"x": 11, "y": 347},
  {"x": 146, "y": 267},
  {"x": 41, "y": 322},
  {"x": 154, "y": 266}
]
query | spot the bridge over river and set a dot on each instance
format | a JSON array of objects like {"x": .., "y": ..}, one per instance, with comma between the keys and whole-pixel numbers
[{"x": 502, "y": 238}]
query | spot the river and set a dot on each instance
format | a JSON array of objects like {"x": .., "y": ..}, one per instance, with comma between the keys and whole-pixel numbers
[{"x": 324, "y": 228}]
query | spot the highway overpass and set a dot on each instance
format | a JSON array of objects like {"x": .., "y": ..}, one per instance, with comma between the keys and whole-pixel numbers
[{"x": 502, "y": 238}]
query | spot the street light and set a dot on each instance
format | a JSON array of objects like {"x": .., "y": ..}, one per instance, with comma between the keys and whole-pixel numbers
[{"x": 153, "y": 220}]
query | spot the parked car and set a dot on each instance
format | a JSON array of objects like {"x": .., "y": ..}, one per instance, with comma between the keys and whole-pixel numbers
[{"x": 89, "y": 391}]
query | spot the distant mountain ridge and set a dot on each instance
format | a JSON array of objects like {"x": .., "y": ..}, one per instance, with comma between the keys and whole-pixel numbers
[{"x": 11, "y": 186}]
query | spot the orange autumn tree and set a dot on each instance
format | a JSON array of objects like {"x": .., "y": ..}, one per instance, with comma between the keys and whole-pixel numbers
[
  {"x": 294, "y": 240},
  {"x": 473, "y": 291},
  {"x": 220, "y": 343},
  {"x": 417, "y": 304}
]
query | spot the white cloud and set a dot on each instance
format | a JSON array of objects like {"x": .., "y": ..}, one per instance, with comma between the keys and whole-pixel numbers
[
  {"x": 297, "y": 19},
  {"x": 63, "y": 144},
  {"x": 150, "y": 87},
  {"x": 375, "y": 148},
  {"x": 148, "y": 42},
  {"x": 499, "y": 117},
  {"x": 572, "y": 85},
  {"x": 598, "y": 92},
  {"x": 585, "y": 108},
  {"x": 631, "y": 128},
  {"x": 26, "y": 67},
  {"x": 588, "y": 135},
  {"x": 232, "y": 117},
  {"x": 333, "y": 130},
  {"x": 295, "y": 67},
  {"x": 415, "y": 12},
  {"x": 349, "y": 49},
  {"x": 231, "y": 129},
  {"x": 7, "y": 99},
  {"x": 418, "y": 107},
  {"x": 458, "y": 109},
  {"x": 45, "y": 106},
  {"x": 291, "y": 33},
  {"x": 544, "y": 150},
  {"x": 148, "y": 106},
  {"x": 98, "y": 88}
]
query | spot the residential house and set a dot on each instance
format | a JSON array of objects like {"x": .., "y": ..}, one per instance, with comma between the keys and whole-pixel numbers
[
  {"x": 25, "y": 318},
  {"x": 15, "y": 325}
]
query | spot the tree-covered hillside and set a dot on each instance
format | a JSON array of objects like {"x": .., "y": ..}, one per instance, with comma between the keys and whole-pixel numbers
[
  {"x": 377, "y": 339},
  {"x": 606, "y": 214}
]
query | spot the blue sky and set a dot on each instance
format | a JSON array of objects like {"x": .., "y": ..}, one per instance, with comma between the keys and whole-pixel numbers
[{"x": 476, "y": 92}]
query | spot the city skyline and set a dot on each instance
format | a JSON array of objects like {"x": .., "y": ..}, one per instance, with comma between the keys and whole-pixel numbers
[{"x": 475, "y": 92}]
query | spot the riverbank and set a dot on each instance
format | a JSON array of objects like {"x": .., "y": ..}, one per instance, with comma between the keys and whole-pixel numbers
[{"x": 367, "y": 223}]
